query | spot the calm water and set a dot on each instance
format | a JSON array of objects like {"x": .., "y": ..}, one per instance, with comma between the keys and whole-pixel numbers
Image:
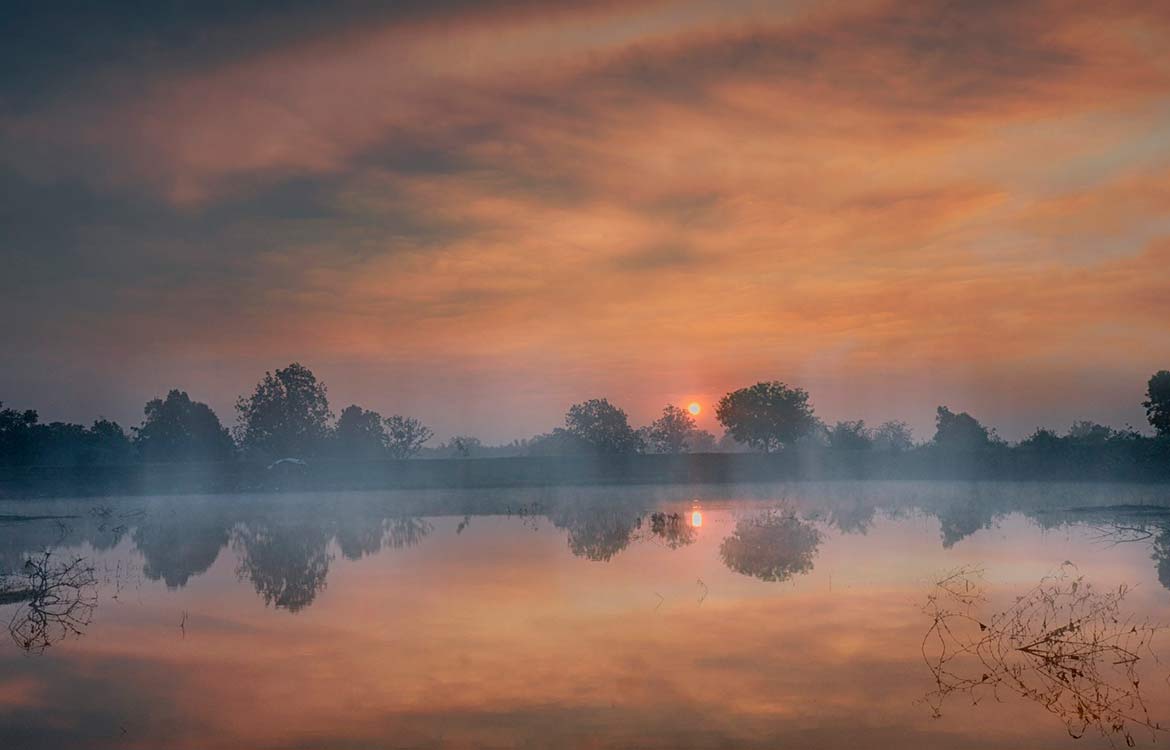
[{"x": 836, "y": 615}]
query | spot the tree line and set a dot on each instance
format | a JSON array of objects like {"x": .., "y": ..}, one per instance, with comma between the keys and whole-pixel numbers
[{"x": 287, "y": 415}]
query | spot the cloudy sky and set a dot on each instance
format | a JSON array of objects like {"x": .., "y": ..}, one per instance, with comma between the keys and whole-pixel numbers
[{"x": 479, "y": 212}]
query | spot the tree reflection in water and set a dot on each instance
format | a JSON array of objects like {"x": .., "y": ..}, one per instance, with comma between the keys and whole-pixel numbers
[
  {"x": 1064, "y": 645},
  {"x": 596, "y": 532},
  {"x": 287, "y": 564},
  {"x": 56, "y": 597},
  {"x": 406, "y": 531},
  {"x": 672, "y": 530},
  {"x": 772, "y": 546}
]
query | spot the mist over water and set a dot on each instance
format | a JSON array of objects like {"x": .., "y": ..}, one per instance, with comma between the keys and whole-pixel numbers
[{"x": 670, "y": 616}]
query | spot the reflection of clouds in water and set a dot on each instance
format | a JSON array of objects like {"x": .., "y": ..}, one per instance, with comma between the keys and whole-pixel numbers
[{"x": 512, "y": 626}]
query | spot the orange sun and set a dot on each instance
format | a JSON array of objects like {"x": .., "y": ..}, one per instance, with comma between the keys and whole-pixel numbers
[{"x": 694, "y": 408}]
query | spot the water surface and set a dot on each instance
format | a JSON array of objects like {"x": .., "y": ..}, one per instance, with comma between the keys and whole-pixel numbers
[{"x": 805, "y": 615}]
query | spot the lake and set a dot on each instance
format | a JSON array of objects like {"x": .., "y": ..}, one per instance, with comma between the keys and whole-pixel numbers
[{"x": 817, "y": 615}]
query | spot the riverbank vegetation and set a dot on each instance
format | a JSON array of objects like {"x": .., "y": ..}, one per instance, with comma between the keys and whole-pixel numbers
[{"x": 288, "y": 418}]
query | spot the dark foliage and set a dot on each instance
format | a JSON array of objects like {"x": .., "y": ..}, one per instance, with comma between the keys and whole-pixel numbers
[
  {"x": 602, "y": 426},
  {"x": 1157, "y": 402},
  {"x": 286, "y": 415},
  {"x": 179, "y": 429},
  {"x": 766, "y": 416}
]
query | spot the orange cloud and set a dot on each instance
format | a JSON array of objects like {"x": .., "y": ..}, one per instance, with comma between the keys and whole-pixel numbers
[{"x": 637, "y": 199}]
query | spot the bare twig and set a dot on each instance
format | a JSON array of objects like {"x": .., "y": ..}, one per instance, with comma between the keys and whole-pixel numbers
[{"x": 1063, "y": 644}]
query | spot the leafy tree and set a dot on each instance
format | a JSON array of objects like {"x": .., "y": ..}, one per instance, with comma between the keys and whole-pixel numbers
[
  {"x": 893, "y": 436},
  {"x": 405, "y": 436},
  {"x": 1157, "y": 402},
  {"x": 728, "y": 444},
  {"x": 670, "y": 432},
  {"x": 59, "y": 444},
  {"x": 179, "y": 429},
  {"x": 960, "y": 431},
  {"x": 559, "y": 442},
  {"x": 850, "y": 435},
  {"x": 1084, "y": 432},
  {"x": 286, "y": 415},
  {"x": 360, "y": 434},
  {"x": 701, "y": 441},
  {"x": 17, "y": 446},
  {"x": 1042, "y": 441},
  {"x": 108, "y": 444},
  {"x": 464, "y": 446},
  {"x": 766, "y": 416},
  {"x": 603, "y": 426}
]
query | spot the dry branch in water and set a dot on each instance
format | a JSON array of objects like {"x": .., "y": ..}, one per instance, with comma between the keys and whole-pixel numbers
[
  {"x": 1062, "y": 644},
  {"x": 59, "y": 599}
]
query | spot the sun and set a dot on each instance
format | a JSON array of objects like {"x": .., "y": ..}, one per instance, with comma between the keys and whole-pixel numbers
[{"x": 694, "y": 408}]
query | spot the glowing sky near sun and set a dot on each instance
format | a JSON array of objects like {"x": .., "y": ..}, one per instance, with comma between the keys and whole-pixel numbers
[{"x": 478, "y": 214}]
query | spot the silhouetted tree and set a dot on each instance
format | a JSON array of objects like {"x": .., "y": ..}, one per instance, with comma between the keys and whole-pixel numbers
[
  {"x": 360, "y": 434},
  {"x": 728, "y": 444},
  {"x": 24, "y": 441},
  {"x": 893, "y": 436},
  {"x": 59, "y": 444},
  {"x": 179, "y": 429},
  {"x": 108, "y": 444},
  {"x": 773, "y": 546},
  {"x": 1157, "y": 402},
  {"x": 1042, "y": 441},
  {"x": 603, "y": 426},
  {"x": 766, "y": 416},
  {"x": 670, "y": 432},
  {"x": 286, "y": 415},
  {"x": 464, "y": 446},
  {"x": 1084, "y": 432},
  {"x": 17, "y": 446},
  {"x": 559, "y": 442},
  {"x": 960, "y": 431},
  {"x": 405, "y": 436},
  {"x": 701, "y": 441},
  {"x": 850, "y": 435}
]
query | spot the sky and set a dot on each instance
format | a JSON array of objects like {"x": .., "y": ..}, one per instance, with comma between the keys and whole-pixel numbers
[{"x": 478, "y": 213}]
